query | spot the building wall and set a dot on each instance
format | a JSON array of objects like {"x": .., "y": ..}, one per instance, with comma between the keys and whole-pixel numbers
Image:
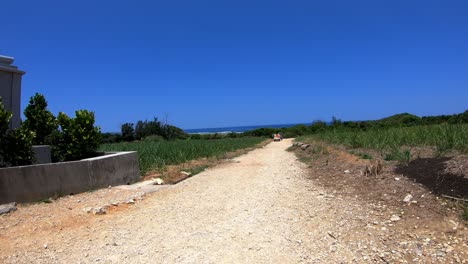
[{"x": 10, "y": 91}]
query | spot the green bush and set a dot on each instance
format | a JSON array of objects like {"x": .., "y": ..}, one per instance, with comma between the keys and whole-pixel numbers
[
  {"x": 147, "y": 128},
  {"x": 5, "y": 118},
  {"x": 171, "y": 132},
  {"x": 15, "y": 145},
  {"x": 39, "y": 120},
  {"x": 78, "y": 139}
]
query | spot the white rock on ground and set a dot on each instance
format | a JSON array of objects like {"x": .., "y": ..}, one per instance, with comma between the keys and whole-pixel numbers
[
  {"x": 408, "y": 198},
  {"x": 158, "y": 181},
  {"x": 6, "y": 208}
]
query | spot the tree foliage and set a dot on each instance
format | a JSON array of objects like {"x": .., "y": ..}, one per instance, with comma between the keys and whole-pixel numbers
[
  {"x": 128, "y": 132},
  {"x": 39, "y": 120},
  {"x": 15, "y": 145},
  {"x": 78, "y": 138}
]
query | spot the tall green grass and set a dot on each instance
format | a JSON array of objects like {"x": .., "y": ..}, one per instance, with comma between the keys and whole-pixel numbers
[
  {"x": 443, "y": 137},
  {"x": 155, "y": 155}
]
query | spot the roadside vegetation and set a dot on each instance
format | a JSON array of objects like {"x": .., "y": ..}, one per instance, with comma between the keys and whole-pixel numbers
[
  {"x": 432, "y": 151},
  {"x": 159, "y": 144},
  {"x": 336, "y": 125},
  {"x": 153, "y": 155},
  {"x": 443, "y": 138},
  {"x": 70, "y": 138}
]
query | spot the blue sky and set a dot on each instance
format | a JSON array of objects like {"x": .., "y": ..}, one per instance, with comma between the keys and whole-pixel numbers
[{"x": 233, "y": 63}]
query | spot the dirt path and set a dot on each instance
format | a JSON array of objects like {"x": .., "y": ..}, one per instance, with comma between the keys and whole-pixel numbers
[{"x": 259, "y": 208}]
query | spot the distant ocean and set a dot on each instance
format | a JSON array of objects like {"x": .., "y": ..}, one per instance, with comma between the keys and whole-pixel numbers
[{"x": 239, "y": 129}]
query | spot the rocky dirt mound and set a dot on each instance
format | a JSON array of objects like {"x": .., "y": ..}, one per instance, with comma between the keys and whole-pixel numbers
[{"x": 401, "y": 220}]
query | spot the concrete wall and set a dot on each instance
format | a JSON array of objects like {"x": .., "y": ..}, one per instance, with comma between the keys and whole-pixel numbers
[
  {"x": 42, "y": 181},
  {"x": 10, "y": 89}
]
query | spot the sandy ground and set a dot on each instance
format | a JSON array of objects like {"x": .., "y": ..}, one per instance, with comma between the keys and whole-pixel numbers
[{"x": 259, "y": 208}]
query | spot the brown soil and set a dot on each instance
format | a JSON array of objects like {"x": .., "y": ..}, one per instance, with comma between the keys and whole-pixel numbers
[{"x": 428, "y": 222}]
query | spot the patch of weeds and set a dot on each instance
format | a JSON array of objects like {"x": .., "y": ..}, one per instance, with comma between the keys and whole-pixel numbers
[
  {"x": 465, "y": 212},
  {"x": 360, "y": 154},
  {"x": 291, "y": 148},
  {"x": 402, "y": 156},
  {"x": 319, "y": 149},
  {"x": 197, "y": 170},
  {"x": 365, "y": 156},
  {"x": 45, "y": 201},
  {"x": 305, "y": 159}
]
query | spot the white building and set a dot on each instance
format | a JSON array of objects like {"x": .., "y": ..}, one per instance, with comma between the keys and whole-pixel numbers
[{"x": 10, "y": 88}]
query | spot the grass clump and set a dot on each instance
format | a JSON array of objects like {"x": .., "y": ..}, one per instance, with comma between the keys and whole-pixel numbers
[
  {"x": 361, "y": 155},
  {"x": 402, "y": 156},
  {"x": 196, "y": 170},
  {"x": 465, "y": 212},
  {"x": 305, "y": 159}
]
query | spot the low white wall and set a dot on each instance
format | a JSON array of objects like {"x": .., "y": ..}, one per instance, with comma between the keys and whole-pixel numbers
[{"x": 41, "y": 181}]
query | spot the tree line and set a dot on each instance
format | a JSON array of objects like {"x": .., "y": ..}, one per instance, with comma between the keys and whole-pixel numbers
[{"x": 152, "y": 130}]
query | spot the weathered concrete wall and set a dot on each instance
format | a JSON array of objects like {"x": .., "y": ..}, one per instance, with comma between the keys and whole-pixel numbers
[
  {"x": 36, "y": 182},
  {"x": 10, "y": 88}
]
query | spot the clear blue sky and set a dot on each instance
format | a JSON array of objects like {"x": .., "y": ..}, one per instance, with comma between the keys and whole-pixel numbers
[{"x": 232, "y": 63}]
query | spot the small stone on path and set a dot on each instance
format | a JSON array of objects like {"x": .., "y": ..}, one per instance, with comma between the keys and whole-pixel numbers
[{"x": 6, "y": 208}]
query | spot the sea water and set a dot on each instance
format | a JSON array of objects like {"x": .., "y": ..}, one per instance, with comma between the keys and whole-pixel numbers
[{"x": 239, "y": 129}]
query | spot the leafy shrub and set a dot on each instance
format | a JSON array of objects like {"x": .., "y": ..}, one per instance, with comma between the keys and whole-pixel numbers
[
  {"x": 79, "y": 138},
  {"x": 171, "y": 132},
  {"x": 15, "y": 145},
  {"x": 5, "y": 118},
  {"x": 39, "y": 120},
  {"x": 147, "y": 128}
]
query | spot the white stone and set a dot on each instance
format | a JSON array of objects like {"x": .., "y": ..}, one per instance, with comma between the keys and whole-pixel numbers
[
  {"x": 99, "y": 211},
  {"x": 158, "y": 181},
  {"x": 6, "y": 208},
  {"x": 408, "y": 198},
  {"x": 88, "y": 209}
]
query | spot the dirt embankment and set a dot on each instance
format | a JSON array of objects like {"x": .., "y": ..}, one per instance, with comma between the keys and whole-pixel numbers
[{"x": 411, "y": 221}]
